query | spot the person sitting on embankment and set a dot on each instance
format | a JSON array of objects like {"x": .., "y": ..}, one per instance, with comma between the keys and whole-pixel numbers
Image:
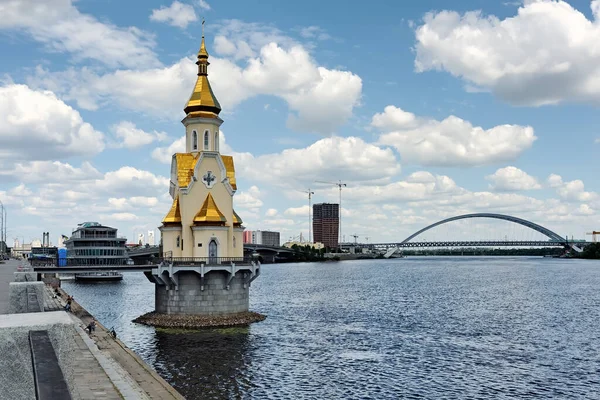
[
  {"x": 68, "y": 305},
  {"x": 92, "y": 326}
]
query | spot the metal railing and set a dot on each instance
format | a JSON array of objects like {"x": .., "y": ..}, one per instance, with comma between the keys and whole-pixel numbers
[
  {"x": 102, "y": 273},
  {"x": 167, "y": 257},
  {"x": 206, "y": 260}
]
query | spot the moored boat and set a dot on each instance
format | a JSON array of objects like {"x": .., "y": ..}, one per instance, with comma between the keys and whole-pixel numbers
[{"x": 104, "y": 276}]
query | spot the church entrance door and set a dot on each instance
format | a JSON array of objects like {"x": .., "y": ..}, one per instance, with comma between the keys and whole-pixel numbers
[{"x": 212, "y": 252}]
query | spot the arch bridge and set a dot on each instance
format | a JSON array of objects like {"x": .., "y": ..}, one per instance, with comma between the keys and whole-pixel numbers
[{"x": 554, "y": 239}]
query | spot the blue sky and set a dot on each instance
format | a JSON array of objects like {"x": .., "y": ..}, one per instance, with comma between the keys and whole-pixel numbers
[{"x": 425, "y": 109}]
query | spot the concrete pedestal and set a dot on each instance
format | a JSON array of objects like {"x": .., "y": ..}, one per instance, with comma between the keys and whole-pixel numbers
[
  {"x": 189, "y": 298},
  {"x": 205, "y": 289},
  {"x": 26, "y": 297}
]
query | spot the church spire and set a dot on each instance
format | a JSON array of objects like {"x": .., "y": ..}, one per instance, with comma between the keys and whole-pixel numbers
[
  {"x": 202, "y": 56},
  {"x": 203, "y": 100}
]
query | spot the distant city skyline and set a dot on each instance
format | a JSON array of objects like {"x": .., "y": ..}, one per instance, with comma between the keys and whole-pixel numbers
[{"x": 424, "y": 109}]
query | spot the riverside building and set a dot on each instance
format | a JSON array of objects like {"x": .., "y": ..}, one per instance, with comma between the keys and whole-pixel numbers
[
  {"x": 267, "y": 238},
  {"x": 95, "y": 244},
  {"x": 326, "y": 224}
]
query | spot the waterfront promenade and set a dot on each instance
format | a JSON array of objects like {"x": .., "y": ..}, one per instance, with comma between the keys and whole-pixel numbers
[{"x": 95, "y": 366}]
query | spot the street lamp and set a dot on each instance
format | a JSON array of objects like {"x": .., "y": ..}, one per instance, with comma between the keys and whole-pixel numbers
[{"x": 2, "y": 228}]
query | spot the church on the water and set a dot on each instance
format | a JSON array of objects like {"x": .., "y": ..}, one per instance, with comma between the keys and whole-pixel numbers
[{"x": 202, "y": 222}]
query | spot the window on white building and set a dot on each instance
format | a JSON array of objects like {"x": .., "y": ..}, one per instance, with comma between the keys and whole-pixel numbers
[{"x": 194, "y": 140}]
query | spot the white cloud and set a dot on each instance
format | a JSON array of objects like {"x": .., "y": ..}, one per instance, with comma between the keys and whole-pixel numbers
[
  {"x": 132, "y": 203},
  {"x": 548, "y": 53},
  {"x": 572, "y": 190},
  {"x": 50, "y": 171},
  {"x": 297, "y": 211},
  {"x": 242, "y": 40},
  {"x": 597, "y": 140},
  {"x": 20, "y": 191},
  {"x": 165, "y": 154},
  {"x": 203, "y": 5},
  {"x": 130, "y": 180},
  {"x": 327, "y": 159},
  {"x": 249, "y": 199},
  {"x": 393, "y": 118},
  {"x": 451, "y": 142},
  {"x": 131, "y": 137},
  {"x": 60, "y": 201},
  {"x": 584, "y": 209},
  {"x": 177, "y": 14},
  {"x": 271, "y": 212},
  {"x": 319, "y": 99},
  {"x": 123, "y": 216},
  {"x": 314, "y": 32},
  {"x": 62, "y": 28},
  {"x": 418, "y": 186},
  {"x": 155, "y": 91},
  {"x": 512, "y": 178},
  {"x": 554, "y": 181},
  {"x": 36, "y": 125}
]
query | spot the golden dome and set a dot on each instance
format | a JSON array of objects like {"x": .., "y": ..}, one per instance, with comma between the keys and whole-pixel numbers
[
  {"x": 203, "y": 100},
  {"x": 174, "y": 214},
  {"x": 210, "y": 213}
]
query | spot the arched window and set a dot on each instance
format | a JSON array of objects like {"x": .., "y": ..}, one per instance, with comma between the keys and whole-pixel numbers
[
  {"x": 205, "y": 140},
  {"x": 194, "y": 140},
  {"x": 216, "y": 140}
]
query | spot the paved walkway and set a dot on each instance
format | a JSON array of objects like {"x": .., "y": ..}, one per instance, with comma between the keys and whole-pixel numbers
[
  {"x": 103, "y": 367},
  {"x": 132, "y": 376},
  {"x": 6, "y": 276},
  {"x": 51, "y": 301},
  {"x": 91, "y": 381}
]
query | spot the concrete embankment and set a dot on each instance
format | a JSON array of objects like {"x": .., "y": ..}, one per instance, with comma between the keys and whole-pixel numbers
[
  {"x": 94, "y": 366},
  {"x": 127, "y": 370}
]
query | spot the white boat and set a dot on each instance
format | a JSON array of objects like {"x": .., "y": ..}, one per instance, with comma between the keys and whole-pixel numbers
[{"x": 107, "y": 276}]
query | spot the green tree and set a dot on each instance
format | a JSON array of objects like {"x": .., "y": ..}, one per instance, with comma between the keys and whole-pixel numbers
[{"x": 591, "y": 251}]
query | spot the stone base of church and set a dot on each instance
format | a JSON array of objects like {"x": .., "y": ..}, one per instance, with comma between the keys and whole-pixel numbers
[
  {"x": 217, "y": 293},
  {"x": 183, "y": 321}
]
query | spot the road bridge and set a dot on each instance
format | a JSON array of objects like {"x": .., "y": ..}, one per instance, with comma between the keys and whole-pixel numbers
[
  {"x": 470, "y": 243},
  {"x": 554, "y": 239}
]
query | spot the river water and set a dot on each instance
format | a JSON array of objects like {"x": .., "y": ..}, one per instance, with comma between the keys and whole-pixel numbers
[{"x": 433, "y": 328}]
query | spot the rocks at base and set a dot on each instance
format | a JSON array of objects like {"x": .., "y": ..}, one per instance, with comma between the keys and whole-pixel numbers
[{"x": 199, "y": 321}]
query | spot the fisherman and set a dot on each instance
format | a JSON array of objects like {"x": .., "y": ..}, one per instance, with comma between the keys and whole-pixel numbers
[
  {"x": 92, "y": 326},
  {"x": 69, "y": 301}
]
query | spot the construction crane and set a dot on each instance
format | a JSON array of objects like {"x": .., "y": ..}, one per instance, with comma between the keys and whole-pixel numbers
[
  {"x": 339, "y": 184},
  {"x": 357, "y": 235},
  {"x": 593, "y": 233},
  {"x": 309, "y": 210}
]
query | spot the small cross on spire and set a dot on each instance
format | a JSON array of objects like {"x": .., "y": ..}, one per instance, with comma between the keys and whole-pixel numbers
[{"x": 203, "y": 27}]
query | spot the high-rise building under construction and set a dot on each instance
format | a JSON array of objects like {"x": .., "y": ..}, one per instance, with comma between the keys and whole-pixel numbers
[{"x": 326, "y": 223}]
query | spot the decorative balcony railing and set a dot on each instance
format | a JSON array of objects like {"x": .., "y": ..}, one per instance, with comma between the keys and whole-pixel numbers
[{"x": 206, "y": 260}]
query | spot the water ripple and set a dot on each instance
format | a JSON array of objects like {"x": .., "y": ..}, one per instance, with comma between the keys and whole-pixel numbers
[{"x": 433, "y": 328}]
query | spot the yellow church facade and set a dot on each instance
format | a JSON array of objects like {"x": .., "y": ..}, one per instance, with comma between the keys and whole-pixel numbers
[
  {"x": 202, "y": 222},
  {"x": 203, "y": 271}
]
